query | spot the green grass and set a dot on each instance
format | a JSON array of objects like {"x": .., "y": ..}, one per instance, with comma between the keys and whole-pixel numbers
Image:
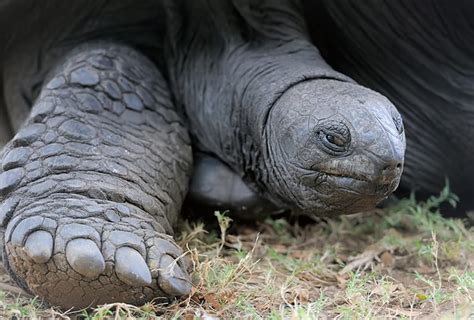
[{"x": 402, "y": 262}]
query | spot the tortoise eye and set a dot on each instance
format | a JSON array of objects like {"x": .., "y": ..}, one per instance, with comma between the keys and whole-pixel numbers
[
  {"x": 333, "y": 137},
  {"x": 336, "y": 140},
  {"x": 330, "y": 138}
]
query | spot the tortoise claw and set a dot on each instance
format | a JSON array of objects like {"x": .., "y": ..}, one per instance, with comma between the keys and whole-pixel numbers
[
  {"x": 85, "y": 258},
  {"x": 172, "y": 278},
  {"x": 39, "y": 246},
  {"x": 131, "y": 268}
]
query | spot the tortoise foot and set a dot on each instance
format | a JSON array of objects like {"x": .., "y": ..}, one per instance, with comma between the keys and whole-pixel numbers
[{"x": 79, "y": 262}]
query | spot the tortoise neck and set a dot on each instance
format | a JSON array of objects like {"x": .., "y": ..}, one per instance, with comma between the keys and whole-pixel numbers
[{"x": 238, "y": 71}]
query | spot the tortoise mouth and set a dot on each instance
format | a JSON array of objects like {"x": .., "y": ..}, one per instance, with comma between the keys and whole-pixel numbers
[
  {"x": 362, "y": 185},
  {"x": 358, "y": 177},
  {"x": 328, "y": 194}
]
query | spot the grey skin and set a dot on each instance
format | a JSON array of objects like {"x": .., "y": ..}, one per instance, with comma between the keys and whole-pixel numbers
[
  {"x": 420, "y": 55},
  {"x": 106, "y": 105}
]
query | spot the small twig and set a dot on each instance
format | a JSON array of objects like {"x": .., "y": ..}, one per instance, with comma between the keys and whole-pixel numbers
[
  {"x": 15, "y": 290},
  {"x": 363, "y": 259},
  {"x": 435, "y": 255}
]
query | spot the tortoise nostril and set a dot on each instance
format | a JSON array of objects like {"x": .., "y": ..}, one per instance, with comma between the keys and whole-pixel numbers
[
  {"x": 391, "y": 167},
  {"x": 389, "y": 177}
]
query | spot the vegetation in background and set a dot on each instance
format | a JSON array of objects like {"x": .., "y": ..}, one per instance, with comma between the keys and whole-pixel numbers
[{"x": 402, "y": 262}]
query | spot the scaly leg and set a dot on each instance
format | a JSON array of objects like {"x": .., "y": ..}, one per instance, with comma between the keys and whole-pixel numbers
[{"x": 93, "y": 182}]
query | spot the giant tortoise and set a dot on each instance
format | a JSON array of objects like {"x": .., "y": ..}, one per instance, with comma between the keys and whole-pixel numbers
[{"x": 110, "y": 102}]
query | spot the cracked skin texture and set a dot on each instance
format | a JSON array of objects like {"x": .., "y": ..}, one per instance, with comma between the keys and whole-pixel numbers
[
  {"x": 93, "y": 182},
  {"x": 95, "y": 179}
]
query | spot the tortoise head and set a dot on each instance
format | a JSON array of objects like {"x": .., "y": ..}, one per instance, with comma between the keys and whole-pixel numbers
[{"x": 334, "y": 147}]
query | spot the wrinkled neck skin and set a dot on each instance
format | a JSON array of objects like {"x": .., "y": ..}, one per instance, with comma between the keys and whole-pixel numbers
[{"x": 229, "y": 63}]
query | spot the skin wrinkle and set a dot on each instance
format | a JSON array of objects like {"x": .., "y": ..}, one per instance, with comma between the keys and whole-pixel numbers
[
  {"x": 137, "y": 204},
  {"x": 280, "y": 94},
  {"x": 25, "y": 208},
  {"x": 276, "y": 168},
  {"x": 140, "y": 186}
]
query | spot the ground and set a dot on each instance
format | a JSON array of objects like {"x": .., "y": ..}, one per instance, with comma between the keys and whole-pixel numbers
[{"x": 401, "y": 262}]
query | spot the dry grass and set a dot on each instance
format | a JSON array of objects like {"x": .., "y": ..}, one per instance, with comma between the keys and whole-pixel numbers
[{"x": 402, "y": 262}]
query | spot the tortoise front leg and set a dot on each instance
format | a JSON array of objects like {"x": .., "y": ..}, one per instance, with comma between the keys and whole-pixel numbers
[{"x": 93, "y": 182}]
